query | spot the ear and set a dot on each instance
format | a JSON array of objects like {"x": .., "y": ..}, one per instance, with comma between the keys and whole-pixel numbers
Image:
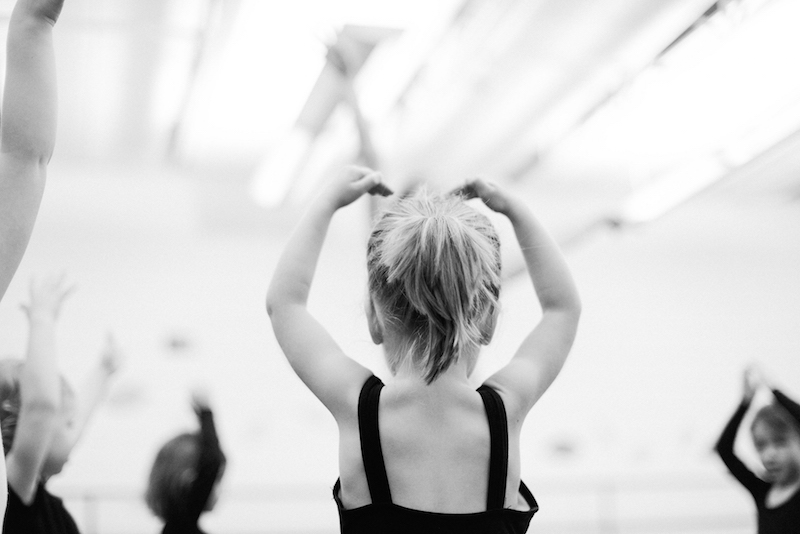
[
  {"x": 488, "y": 324},
  {"x": 374, "y": 322}
]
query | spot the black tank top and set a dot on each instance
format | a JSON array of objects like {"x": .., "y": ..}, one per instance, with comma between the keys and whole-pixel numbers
[{"x": 383, "y": 516}]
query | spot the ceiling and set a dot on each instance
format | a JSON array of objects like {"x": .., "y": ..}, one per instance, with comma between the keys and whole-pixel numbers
[{"x": 583, "y": 102}]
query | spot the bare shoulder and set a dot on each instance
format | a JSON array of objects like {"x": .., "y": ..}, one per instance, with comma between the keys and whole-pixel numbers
[{"x": 515, "y": 404}]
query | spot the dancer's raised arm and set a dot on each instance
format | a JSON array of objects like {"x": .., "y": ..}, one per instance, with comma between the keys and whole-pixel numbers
[
  {"x": 539, "y": 359},
  {"x": 27, "y": 126},
  {"x": 40, "y": 391},
  {"x": 311, "y": 350}
]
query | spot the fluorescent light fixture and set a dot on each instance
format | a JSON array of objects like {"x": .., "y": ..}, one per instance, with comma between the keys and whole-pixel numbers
[
  {"x": 765, "y": 135},
  {"x": 720, "y": 97},
  {"x": 672, "y": 189}
]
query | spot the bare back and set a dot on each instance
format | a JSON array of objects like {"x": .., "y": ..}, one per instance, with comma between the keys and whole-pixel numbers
[{"x": 436, "y": 447}]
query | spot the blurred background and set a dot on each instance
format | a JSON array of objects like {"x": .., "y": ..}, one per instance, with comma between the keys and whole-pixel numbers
[{"x": 658, "y": 140}]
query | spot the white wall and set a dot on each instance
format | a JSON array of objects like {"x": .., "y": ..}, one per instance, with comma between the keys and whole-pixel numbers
[{"x": 673, "y": 311}]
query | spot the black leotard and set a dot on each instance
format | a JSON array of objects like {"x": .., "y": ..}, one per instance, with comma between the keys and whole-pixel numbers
[{"x": 383, "y": 516}]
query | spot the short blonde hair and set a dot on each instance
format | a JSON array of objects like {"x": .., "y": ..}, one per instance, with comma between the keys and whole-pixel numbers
[{"x": 434, "y": 266}]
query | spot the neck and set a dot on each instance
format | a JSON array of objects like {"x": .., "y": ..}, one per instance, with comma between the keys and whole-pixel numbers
[
  {"x": 457, "y": 375},
  {"x": 396, "y": 344}
]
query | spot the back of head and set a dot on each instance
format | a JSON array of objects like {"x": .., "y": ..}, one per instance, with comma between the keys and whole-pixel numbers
[
  {"x": 171, "y": 476},
  {"x": 10, "y": 400},
  {"x": 434, "y": 268}
]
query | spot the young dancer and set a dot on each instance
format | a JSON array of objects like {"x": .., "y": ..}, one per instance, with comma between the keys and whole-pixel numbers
[
  {"x": 27, "y": 126},
  {"x": 41, "y": 418},
  {"x": 776, "y": 434},
  {"x": 426, "y": 452},
  {"x": 186, "y": 474}
]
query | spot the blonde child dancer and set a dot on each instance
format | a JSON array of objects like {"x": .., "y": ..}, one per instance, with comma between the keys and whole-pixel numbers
[
  {"x": 41, "y": 418},
  {"x": 427, "y": 452},
  {"x": 775, "y": 431}
]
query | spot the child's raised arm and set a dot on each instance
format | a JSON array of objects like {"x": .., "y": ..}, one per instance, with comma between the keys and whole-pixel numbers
[
  {"x": 539, "y": 359},
  {"x": 310, "y": 349},
  {"x": 40, "y": 390},
  {"x": 27, "y": 126},
  {"x": 95, "y": 386},
  {"x": 341, "y": 57},
  {"x": 210, "y": 461},
  {"x": 752, "y": 380}
]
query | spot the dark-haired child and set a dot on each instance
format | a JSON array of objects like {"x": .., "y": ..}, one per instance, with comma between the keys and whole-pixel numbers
[
  {"x": 186, "y": 474},
  {"x": 775, "y": 431}
]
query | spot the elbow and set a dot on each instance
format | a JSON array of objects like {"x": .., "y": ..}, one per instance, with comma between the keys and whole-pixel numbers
[
  {"x": 41, "y": 395},
  {"x": 571, "y": 308},
  {"x": 280, "y": 299},
  {"x": 35, "y": 154},
  {"x": 274, "y": 306},
  {"x": 575, "y": 307},
  {"x": 42, "y": 409},
  {"x": 566, "y": 301},
  {"x": 271, "y": 303}
]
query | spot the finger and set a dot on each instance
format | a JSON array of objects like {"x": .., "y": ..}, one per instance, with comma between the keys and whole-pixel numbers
[
  {"x": 367, "y": 182},
  {"x": 110, "y": 350},
  {"x": 467, "y": 191},
  {"x": 458, "y": 191},
  {"x": 200, "y": 397},
  {"x": 359, "y": 171},
  {"x": 69, "y": 290},
  {"x": 334, "y": 57},
  {"x": 64, "y": 294},
  {"x": 481, "y": 185},
  {"x": 381, "y": 189}
]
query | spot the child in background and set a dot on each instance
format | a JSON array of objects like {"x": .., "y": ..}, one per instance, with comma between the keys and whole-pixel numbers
[
  {"x": 41, "y": 417},
  {"x": 27, "y": 126},
  {"x": 776, "y": 434},
  {"x": 186, "y": 474},
  {"x": 427, "y": 452}
]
